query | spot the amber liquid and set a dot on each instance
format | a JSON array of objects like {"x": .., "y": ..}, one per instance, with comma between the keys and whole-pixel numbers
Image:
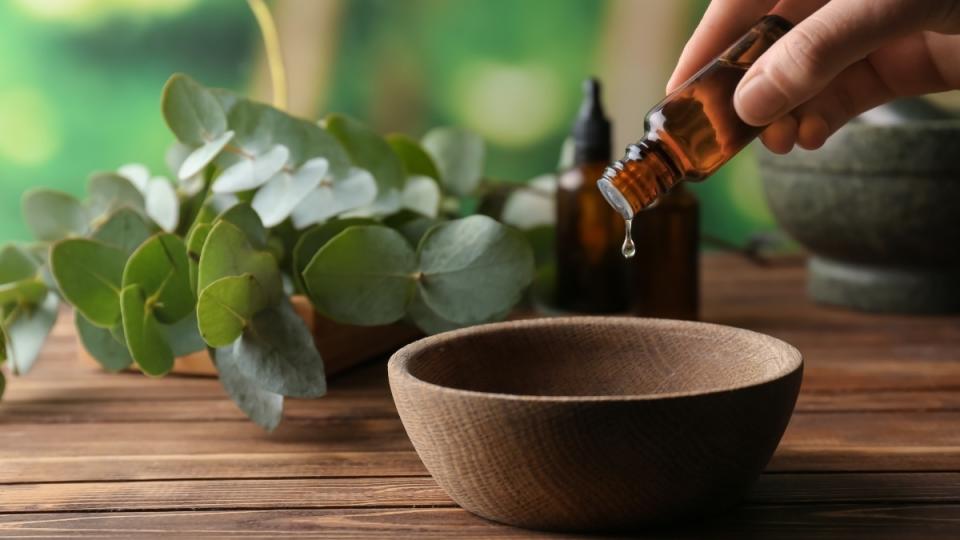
[
  {"x": 698, "y": 125},
  {"x": 591, "y": 275},
  {"x": 693, "y": 131}
]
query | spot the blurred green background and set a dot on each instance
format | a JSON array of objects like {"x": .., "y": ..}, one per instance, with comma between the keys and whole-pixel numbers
[{"x": 80, "y": 79}]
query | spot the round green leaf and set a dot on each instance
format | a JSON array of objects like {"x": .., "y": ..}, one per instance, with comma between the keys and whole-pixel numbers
[
  {"x": 193, "y": 113},
  {"x": 16, "y": 263},
  {"x": 415, "y": 159},
  {"x": 459, "y": 156},
  {"x": 227, "y": 306},
  {"x": 146, "y": 339},
  {"x": 125, "y": 229},
  {"x": 228, "y": 252},
  {"x": 53, "y": 215},
  {"x": 108, "y": 192},
  {"x": 161, "y": 270},
  {"x": 198, "y": 236},
  {"x": 89, "y": 274},
  {"x": 277, "y": 351},
  {"x": 263, "y": 407},
  {"x": 425, "y": 319},
  {"x": 369, "y": 151},
  {"x": 364, "y": 275},
  {"x": 532, "y": 206},
  {"x": 473, "y": 268},
  {"x": 27, "y": 328},
  {"x": 313, "y": 239},
  {"x": 102, "y": 345},
  {"x": 247, "y": 220}
]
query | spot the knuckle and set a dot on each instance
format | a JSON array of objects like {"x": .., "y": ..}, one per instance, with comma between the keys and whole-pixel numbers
[{"x": 805, "y": 49}]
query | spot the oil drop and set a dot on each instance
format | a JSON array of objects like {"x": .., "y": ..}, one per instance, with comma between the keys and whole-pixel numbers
[{"x": 629, "y": 249}]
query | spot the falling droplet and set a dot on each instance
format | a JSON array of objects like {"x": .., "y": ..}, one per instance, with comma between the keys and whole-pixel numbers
[{"x": 629, "y": 249}]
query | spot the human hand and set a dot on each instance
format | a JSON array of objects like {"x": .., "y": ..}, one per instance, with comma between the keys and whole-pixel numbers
[{"x": 842, "y": 58}]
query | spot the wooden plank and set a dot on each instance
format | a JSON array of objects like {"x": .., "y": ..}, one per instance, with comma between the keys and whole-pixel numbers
[
  {"x": 879, "y": 400},
  {"x": 790, "y": 522},
  {"x": 188, "y": 410},
  {"x": 862, "y": 488},
  {"x": 223, "y": 494},
  {"x": 161, "y": 438},
  {"x": 418, "y": 491},
  {"x": 240, "y": 464}
]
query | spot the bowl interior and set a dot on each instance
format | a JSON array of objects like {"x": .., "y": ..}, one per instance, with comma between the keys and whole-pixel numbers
[{"x": 599, "y": 356}]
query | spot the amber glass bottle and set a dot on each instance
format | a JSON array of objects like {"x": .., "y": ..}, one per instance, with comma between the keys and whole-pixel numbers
[
  {"x": 666, "y": 270},
  {"x": 693, "y": 131},
  {"x": 591, "y": 276}
]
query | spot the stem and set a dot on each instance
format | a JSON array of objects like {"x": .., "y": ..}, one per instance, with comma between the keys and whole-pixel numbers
[{"x": 271, "y": 45}]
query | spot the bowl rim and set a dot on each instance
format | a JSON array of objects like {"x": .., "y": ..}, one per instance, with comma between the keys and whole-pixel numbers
[{"x": 398, "y": 365}]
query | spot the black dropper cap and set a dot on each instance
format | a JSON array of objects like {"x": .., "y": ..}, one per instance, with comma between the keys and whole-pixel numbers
[{"x": 591, "y": 131}]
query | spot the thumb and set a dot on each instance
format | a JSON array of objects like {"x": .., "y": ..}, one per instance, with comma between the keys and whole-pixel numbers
[{"x": 808, "y": 57}]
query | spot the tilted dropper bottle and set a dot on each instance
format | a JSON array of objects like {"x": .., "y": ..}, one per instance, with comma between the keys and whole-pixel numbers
[{"x": 692, "y": 132}]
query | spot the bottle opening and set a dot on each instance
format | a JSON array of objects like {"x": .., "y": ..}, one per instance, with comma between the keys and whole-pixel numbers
[{"x": 615, "y": 198}]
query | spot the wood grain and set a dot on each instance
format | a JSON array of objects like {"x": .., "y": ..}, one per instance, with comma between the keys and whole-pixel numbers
[{"x": 872, "y": 452}]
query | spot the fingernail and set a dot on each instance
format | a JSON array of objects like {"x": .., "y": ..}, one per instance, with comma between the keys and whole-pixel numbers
[{"x": 760, "y": 102}]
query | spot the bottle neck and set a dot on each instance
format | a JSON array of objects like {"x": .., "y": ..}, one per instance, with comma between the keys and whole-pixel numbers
[{"x": 637, "y": 181}]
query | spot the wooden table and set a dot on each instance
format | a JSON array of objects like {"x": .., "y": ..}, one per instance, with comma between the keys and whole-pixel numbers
[{"x": 873, "y": 450}]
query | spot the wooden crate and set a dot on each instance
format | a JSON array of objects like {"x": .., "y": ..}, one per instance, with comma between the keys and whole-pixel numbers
[{"x": 342, "y": 346}]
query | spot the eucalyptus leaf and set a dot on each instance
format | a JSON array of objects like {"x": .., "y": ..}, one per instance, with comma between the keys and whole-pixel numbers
[
  {"x": 89, "y": 274},
  {"x": 263, "y": 407},
  {"x": 16, "y": 264},
  {"x": 532, "y": 206},
  {"x": 416, "y": 161},
  {"x": 473, "y": 268},
  {"x": 459, "y": 155},
  {"x": 145, "y": 337},
  {"x": 244, "y": 217},
  {"x": 125, "y": 229},
  {"x": 365, "y": 275},
  {"x": 193, "y": 112},
  {"x": 175, "y": 156},
  {"x": 411, "y": 225},
  {"x": 184, "y": 336},
  {"x": 26, "y": 328},
  {"x": 109, "y": 192},
  {"x": 277, "y": 351},
  {"x": 422, "y": 195},
  {"x": 227, "y": 306},
  {"x": 198, "y": 236},
  {"x": 203, "y": 155},
  {"x": 161, "y": 270},
  {"x": 26, "y": 291},
  {"x": 53, "y": 215},
  {"x": 228, "y": 252},
  {"x": 252, "y": 171},
  {"x": 425, "y": 319},
  {"x": 162, "y": 204},
  {"x": 277, "y": 198},
  {"x": 313, "y": 239},
  {"x": 101, "y": 344},
  {"x": 137, "y": 173},
  {"x": 335, "y": 196},
  {"x": 369, "y": 151}
]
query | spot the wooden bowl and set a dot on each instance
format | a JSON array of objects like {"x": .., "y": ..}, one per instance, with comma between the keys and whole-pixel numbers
[{"x": 595, "y": 423}]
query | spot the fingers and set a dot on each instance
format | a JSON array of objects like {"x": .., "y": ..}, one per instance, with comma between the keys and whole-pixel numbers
[
  {"x": 903, "y": 67},
  {"x": 723, "y": 22},
  {"x": 802, "y": 63}
]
